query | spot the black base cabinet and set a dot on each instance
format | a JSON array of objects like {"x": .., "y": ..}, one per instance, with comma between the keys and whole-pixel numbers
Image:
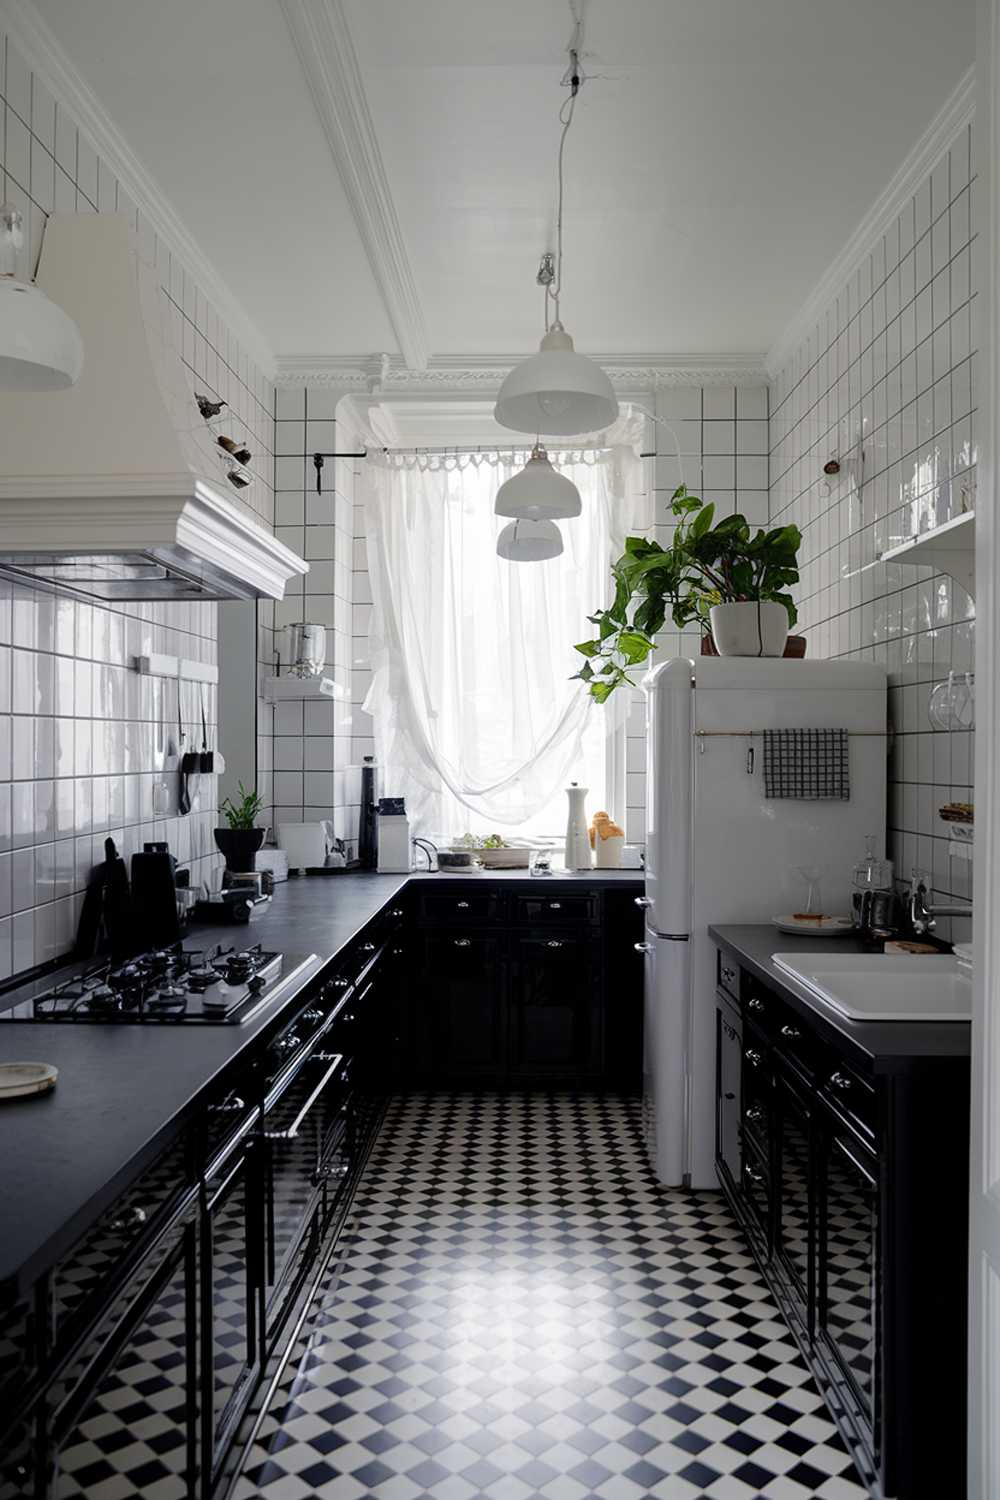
[
  {"x": 852, "y": 1186},
  {"x": 525, "y": 987}
]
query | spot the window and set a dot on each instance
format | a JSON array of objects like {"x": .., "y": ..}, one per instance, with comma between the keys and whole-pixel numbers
[{"x": 477, "y": 722}]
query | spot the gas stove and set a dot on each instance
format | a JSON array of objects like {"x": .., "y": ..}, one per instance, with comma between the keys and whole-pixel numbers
[{"x": 167, "y": 986}]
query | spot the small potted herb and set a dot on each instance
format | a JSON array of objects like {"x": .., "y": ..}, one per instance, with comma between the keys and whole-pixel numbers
[
  {"x": 729, "y": 579},
  {"x": 240, "y": 841}
]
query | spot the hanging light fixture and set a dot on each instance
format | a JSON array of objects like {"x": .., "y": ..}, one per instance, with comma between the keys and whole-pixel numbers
[
  {"x": 40, "y": 345},
  {"x": 529, "y": 541},
  {"x": 558, "y": 391},
  {"x": 537, "y": 492}
]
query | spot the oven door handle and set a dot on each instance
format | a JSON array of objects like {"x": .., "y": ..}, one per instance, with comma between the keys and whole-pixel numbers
[{"x": 295, "y": 1126}]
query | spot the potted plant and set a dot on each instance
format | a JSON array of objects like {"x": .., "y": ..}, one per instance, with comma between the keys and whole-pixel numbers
[
  {"x": 240, "y": 841},
  {"x": 729, "y": 579}
]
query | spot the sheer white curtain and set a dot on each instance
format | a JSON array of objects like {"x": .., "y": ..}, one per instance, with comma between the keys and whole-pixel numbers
[{"x": 477, "y": 723}]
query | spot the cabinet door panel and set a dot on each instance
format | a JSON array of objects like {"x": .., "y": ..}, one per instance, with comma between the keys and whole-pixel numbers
[
  {"x": 796, "y": 1197},
  {"x": 554, "y": 1012},
  {"x": 848, "y": 1263},
  {"x": 729, "y": 1056},
  {"x": 465, "y": 1037}
]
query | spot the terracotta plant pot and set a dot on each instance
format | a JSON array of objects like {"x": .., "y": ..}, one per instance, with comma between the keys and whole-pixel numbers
[
  {"x": 239, "y": 846},
  {"x": 795, "y": 646},
  {"x": 751, "y": 628}
]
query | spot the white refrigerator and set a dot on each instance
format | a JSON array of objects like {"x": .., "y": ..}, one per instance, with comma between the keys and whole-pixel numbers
[{"x": 718, "y": 851}]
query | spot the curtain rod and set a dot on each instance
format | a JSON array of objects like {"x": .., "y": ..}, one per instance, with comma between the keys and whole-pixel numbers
[{"x": 320, "y": 458}]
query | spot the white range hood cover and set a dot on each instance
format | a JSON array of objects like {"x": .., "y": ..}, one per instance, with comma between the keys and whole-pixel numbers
[{"x": 114, "y": 488}]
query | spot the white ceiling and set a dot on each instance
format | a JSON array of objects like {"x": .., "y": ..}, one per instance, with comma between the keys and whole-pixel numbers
[{"x": 722, "y": 153}]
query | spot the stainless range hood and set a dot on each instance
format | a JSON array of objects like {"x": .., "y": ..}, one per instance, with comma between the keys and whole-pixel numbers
[{"x": 116, "y": 488}]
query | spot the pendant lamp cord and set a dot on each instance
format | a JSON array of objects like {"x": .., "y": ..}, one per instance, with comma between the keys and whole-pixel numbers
[{"x": 572, "y": 78}]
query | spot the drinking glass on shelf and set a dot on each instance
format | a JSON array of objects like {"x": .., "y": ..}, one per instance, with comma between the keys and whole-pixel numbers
[{"x": 540, "y": 862}]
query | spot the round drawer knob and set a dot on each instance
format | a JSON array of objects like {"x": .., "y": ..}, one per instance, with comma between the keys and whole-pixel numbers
[
  {"x": 753, "y": 1058},
  {"x": 755, "y": 1004}
]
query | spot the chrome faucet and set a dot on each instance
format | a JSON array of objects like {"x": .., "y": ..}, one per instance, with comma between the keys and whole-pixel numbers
[{"x": 923, "y": 918}]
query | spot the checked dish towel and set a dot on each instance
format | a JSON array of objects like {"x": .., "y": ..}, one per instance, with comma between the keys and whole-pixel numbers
[{"x": 811, "y": 765}]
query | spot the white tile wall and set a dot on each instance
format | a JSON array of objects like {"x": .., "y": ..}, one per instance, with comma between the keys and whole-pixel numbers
[
  {"x": 722, "y": 434},
  {"x": 313, "y": 743},
  {"x": 893, "y": 358},
  {"x": 84, "y": 741}
]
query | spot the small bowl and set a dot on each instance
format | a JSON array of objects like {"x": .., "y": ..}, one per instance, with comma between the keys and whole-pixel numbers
[{"x": 458, "y": 859}]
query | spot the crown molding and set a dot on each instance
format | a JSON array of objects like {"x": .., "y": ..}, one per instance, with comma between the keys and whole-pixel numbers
[
  {"x": 956, "y": 112},
  {"x": 45, "y": 56},
  {"x": 322, "y": 38},
  {"x": 477, "y": 374}
]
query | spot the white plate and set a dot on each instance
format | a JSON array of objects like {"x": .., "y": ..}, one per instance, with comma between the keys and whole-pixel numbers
[
  {"x": 18, "y": 1079},
  {"x": 817, "y": 927}
]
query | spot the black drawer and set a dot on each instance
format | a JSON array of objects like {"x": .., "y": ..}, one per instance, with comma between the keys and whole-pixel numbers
[
  {"x": 542, "y": 911},
  {"x": 459, "y": 907},
  {"x": 851, "y": 1096}
]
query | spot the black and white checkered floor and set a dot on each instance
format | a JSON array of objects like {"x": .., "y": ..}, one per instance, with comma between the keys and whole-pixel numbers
[{"x": 518, "y": 1310}]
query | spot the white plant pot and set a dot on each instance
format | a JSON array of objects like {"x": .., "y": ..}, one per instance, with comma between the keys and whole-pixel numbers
[{"x": 750, "y": 629}]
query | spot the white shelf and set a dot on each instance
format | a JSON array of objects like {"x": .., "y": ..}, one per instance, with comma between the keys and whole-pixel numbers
[
  {"x": 950, "y": 547},
  {"x": 176, "y": 666},
  {"x": 289, "y": 688}
]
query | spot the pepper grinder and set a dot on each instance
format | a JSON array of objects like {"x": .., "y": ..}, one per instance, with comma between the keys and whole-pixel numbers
[{"x": 577, "y": 833}]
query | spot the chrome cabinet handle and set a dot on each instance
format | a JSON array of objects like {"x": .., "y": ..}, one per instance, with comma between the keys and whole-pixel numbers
[
  {"x": 397, "y": 911},
  {"x": 791, "y": 1032},
  {"x": 332, "y": 1169},
  {"x": 643, "y": 947},
  {"x": 753, "y": 1058},
  {"x": 312, "y": 1014},
  {"x": 841, "y": 1081},
  {"x": 642, "y": 900},
  {"x": 295, "y": 1126},
  {"x": 555, "y": 906},
  {"x": 728, "y": 974},
  {"x": 368, "y": 947},
  {"x": 755, "y": 1004},
  {"x": 755, "y": 1114},
  {"x": 729, "y": 1031},
  {"x": 463, "y": 942},
  {"x": 340, "y": 983},
  {"x": 130, "y": 1219},
  {"x": 729, "y": 1096},
  {"x": 286, "y": 1043},
  {"x": 754, "y": 1176},
  {"x": 553, "y": 943},
  {"x": 462, "y": 905},
  {"x": 231, "y": 1105}
]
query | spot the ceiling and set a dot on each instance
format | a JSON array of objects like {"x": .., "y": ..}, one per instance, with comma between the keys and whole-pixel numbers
[{"x": 722, "y": 154}]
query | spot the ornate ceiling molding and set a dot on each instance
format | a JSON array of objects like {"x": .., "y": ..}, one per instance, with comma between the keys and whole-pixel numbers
[
  {"x": 939, "y": 135},
  {"x": 323, "y": 41},
  {"x": 480, "y": 374},
  {"x": 45, "y": 56}
]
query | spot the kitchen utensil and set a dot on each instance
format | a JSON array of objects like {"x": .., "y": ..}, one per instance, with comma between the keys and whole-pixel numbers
[
  {"x": 393, "y": 828},
  {"x": 190, "y": 761},
  {"x": 18, "y": 1079},
  {"x": 154, "y": 898},
  {"x": 367, "y": 836},
  {"x": 875, "y": 912},
  {"x": 206, "y": 760},
  {"x": 308, "y": 647},
  {"x": 577, "y": 833}
]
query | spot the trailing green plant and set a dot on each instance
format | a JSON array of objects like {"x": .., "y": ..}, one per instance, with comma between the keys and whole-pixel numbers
[
  {"x": 704, "y": 565},
  {"x": 243, "y": 812}
]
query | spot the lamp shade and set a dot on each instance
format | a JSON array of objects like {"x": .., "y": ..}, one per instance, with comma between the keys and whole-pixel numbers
[
  {"x": 556, "y": 391},
  {"x": 529, "y": 541},
  {"x": 538, "y": 492},
  {"x": 40, "y": 345}
]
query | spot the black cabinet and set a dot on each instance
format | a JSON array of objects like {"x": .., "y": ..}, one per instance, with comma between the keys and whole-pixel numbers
[
  {"x": 555, "y": 1019},
  {"x": 533, "y": 985},
  {"x": 465, "y": 1033},
  {"x": 851, "y": 1184}
]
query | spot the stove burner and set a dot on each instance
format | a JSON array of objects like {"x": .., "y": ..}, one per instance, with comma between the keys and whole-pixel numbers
[
  {"x": 102, "y": 1000},
  {"x": 202, "y": 978}
]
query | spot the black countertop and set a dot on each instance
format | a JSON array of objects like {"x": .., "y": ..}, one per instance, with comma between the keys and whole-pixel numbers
[
  {"x": 888, "y": 1046},
  {"x": 125, "y": 1091}
]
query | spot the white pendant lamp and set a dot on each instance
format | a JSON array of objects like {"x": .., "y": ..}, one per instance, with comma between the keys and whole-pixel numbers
[
  {"x": 557, "y": 391},
  {"x": 40, "y": 345},
  {"x": 537, "y": 492},
  {"x": 529, "y": 541}
]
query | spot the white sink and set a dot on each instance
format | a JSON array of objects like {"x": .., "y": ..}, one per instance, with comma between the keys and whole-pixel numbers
[{"x": 884, "y": 987}]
